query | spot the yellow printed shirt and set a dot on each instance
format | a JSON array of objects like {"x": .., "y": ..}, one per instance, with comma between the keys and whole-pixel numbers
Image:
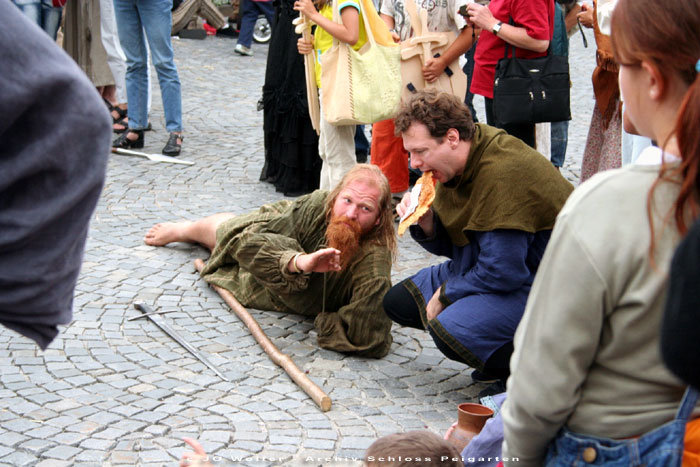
[{"x": 323, "y": 40}]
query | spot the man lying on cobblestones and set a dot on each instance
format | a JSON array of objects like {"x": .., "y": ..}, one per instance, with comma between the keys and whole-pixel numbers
[
  {"x": 496, "y": 201},
  {"x": 262, "y": 258}
]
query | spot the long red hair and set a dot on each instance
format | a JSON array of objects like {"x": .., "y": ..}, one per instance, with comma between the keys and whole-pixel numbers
[{"x": 665, "y": 34}]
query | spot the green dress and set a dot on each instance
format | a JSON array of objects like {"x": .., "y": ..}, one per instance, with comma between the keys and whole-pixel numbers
[{"x": 250, "y": 259}]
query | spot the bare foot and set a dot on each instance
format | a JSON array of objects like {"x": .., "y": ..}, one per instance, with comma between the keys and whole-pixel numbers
[{"x": 167, "y": 232}]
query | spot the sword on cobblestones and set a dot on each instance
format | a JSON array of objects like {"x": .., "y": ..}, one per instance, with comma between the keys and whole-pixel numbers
[
  {"x": 281, "y": 359},
  {"x": 148, "y": 313},
  {"x": 151, "y": 157}
]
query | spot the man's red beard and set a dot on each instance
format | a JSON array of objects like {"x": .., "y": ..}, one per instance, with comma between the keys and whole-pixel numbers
[{"x": 344, "y": 234}]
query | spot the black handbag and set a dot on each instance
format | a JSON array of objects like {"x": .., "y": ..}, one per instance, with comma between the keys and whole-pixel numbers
[{"x": 531, "y": 90}]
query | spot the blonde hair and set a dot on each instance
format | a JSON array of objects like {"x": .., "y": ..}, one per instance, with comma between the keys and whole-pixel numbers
[
  {"x": 383, "y": 233},
  {"x": 412, "y": 448}
]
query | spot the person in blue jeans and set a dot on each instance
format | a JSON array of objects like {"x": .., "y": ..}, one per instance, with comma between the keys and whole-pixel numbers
[
  {"x": 559, "y": 130},
  {"x": 43, "y": 13},
  {"x": 251, "y": 10},
  {"x": 138, "y": 21}
]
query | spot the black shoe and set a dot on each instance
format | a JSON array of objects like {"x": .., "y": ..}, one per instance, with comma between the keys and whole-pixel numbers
[
  {"x": 479, "y": 377},
  {"x": 172, "y": 147},
  {"x": 361, "y": 157},
  {"x": 125, "y": 143},
  {"x": 493, "y": 389}
]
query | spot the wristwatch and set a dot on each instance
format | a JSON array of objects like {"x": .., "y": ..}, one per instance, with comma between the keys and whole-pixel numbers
[{"x": 496, "y": 28}]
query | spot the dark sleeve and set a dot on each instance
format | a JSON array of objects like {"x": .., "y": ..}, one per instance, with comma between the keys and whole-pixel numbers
[
  {"x": 55, "y": 133},
  {"x": 361, "y": 326},
  {"x": 501, "y": 266},
  {"x": 439, "y": 244},
  {"x": 680, "y": 331}
]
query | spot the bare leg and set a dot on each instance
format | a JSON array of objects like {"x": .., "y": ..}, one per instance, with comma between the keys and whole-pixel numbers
[{"x": 202, "y": 231}]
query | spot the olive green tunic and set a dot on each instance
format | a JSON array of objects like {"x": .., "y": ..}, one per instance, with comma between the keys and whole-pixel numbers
[{"x": 250, "y": 260}]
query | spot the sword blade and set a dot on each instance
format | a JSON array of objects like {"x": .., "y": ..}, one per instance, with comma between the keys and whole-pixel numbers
[
  {"x": 152, "y": 157},
  {"x": 165, "y": 327}
]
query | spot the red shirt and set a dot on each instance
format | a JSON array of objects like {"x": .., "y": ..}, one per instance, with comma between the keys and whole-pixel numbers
[{"x": 536, "y": 16}]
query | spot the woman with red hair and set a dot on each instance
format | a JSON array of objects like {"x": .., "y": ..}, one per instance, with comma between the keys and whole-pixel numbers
[{"x": 587, "y": 378}]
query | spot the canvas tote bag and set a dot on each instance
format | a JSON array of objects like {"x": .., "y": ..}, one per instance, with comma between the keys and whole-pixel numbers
[{"x": 361, "y": 86}]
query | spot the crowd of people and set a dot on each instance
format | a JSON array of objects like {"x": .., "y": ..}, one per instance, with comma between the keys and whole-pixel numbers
[{"x": 581, "y": 305}]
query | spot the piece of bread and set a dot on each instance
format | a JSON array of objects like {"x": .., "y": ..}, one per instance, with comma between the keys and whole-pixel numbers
[{"x": 425, "y": 200}]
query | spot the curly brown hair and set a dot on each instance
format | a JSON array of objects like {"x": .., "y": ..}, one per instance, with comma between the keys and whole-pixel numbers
[
  {"x": 438, "y": 111},
  {"x": 383, "y": 233}
]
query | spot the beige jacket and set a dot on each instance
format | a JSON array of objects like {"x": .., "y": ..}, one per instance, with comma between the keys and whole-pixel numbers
[{"x": 587, "y": 349}]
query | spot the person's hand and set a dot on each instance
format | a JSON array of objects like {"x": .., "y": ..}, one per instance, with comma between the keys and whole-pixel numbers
[
  {"x": 435, "y": 306},
  {"x": 402, "y": 207},
  {"x": 586, "y": 15},
  {"x": 433, "y": 68},
  {"x": 306, "y": 7},
  {"x": 426, "y": 220},
  {"x": 323, "y": 260},
  {"x": 305, "y": 47},
  {"x": 449, "y": 431},
  {"x": 197, "y": 458},
  {"x": 481, "y": 17}
]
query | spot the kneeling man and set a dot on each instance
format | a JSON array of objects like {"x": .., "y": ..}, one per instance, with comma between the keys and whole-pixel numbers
[
  {"x": 496, "y": 200},
  {"x": 325, "y": 254}
]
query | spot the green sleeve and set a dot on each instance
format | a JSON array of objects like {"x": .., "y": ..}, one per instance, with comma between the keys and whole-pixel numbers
[
  {"x": 361, "y": 326},
  {"x": 266, "y": 248}
]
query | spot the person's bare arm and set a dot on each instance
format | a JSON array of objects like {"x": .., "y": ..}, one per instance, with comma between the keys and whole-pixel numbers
[
  {"x": 482, "y": 17},
  {"x": 435, "y": 66},
  {"x": 348, "y": 31},
  {"x": 570, "y": 19},
  {"x": 389, "y": 21}
]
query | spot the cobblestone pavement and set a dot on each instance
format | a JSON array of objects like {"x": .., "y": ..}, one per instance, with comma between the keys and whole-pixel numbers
[{"x": 114, "y": 392}]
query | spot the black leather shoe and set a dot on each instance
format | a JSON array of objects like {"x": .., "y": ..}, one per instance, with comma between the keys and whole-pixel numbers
[
  {"x": 125, "y": 143},
  {"x": 173, "y": 147}
]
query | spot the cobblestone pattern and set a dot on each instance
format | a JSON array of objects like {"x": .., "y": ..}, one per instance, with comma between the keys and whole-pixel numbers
[{"x": 115, "y": 392}]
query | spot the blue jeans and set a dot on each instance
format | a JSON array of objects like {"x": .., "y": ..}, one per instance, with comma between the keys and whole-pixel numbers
[
  {"x": 152, "y": 17},
  {"x": 661, "y": 447},
  {"x": 43, "y": 13},
  {"x": 251, "y": 11},
  {"x": 560, "y": 139}
]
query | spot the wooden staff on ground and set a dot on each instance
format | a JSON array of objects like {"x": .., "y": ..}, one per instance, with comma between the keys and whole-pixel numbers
[{"x": 299, "y": 377}]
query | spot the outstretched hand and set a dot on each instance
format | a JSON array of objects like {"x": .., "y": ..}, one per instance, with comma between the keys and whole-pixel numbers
[
  {"x": 197, "y": 458},
  {"x": 323, "y": 260}
]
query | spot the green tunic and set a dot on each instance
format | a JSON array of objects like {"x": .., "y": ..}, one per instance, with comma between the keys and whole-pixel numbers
[{"x": 250, "y": 260}]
